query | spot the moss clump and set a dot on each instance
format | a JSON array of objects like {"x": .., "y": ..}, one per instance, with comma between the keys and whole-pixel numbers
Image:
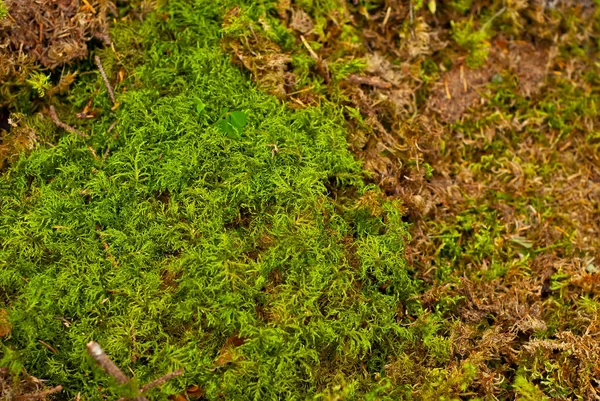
[
  {"x": 475, "y": 41},
  {"x": 241, "y": 258},
  {"x": 3, "y": 10}
]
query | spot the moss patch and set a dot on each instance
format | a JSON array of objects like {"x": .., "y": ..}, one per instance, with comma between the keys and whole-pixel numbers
[
  {"x": 207, "y": 225},
  {"x": 165, "y": 237}
]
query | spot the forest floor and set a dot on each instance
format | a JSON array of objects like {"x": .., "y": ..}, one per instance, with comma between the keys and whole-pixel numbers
[{"x": 300, "y": 199}]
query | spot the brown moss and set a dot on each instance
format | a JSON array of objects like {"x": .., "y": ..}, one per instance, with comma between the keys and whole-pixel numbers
[{"x": 53, "y": 33}]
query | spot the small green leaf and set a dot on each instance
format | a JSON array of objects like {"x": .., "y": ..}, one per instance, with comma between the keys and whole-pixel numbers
[
  {"x": 199, "y": 106},
  {"x": 232, "y": 124},
  {"x": 238, "y": 119}
]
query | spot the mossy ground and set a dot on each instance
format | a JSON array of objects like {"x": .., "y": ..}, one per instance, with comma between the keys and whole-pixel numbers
[{"x": 394, "y": 208}]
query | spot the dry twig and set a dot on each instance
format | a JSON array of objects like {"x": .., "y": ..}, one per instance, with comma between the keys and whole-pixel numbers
[
  {"x": 113, "y": 370},
  {"x": 111, "y": 93},
  {"x": 310, "y": 50},
  {"x": 161, "y": 380},
  {"x": 105, "y": 362},
  {"x": 64, "y": 126}
]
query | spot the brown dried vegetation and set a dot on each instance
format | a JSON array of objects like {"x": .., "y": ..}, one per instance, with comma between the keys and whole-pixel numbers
[
  {"x": 38, "y": 37},
  {"x": 25, "y": 388},
  {"x": 49, "y": 34}
]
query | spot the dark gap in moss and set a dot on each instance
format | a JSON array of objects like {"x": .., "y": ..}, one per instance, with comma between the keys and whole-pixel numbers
[
  {"x": 546, "y": 289},
  {"x": 164, "y": 197},
  {"x": 4, "y": 125},
  {"x": 339, "y": 191},
  {"x": 95, "y": 44},
  {"x": 242, "y": 219}
]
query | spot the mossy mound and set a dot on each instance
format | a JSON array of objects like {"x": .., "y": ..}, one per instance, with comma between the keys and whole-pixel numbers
[
  {"x": 199, "y": 223},
  {"x": 175, "y": 242}
]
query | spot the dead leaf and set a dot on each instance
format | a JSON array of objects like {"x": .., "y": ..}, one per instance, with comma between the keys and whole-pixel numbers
[
  {"x": 228, "y": 353},
  {"x": 194, "y": 392},
  {"x": 5, "y": 325}
]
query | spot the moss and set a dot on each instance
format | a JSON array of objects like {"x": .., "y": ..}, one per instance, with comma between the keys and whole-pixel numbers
[
  {"x": 3, "y": 10},
  {"x": 527, "y": 390},
  {"x": 242, "y": 224},
  {"x": 473, "y": 40},
  {"x": 216, "y": 229}
]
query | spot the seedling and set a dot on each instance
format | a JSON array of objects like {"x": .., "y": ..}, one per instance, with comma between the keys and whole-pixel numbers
[
  {"x": 39, "y": 82},
  {"x": 232, "y": 124}
]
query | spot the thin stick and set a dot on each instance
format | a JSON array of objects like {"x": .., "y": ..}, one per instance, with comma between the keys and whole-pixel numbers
[
  {"x": 112, "y": 126},
  {"x": 448, "y": 95},
  {"x": 161, "y": 380},
  {"x": 109, "y": 366},
  {"x": 64, "y": 126},
  {"x": 105, "y": 78},
  {"x": 105, "y": 363},
  {"x": 51, "y": 348},
  {"x": 412, "y": 19},
  {"x": 387, "y": 17},
  {"x": 310, "y": 50},
  {"x": 38, "y": 396}
]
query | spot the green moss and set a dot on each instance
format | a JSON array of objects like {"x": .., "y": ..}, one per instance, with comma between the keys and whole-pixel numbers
[
  {"x": 473, "y": 40},
  {"x": 213, "y": 212},
  {"x": 462, "y": 6},
  {"x": 167, "y": 235},
  {"x": 527, "y": 390},
  {"x": 39, "y": 82},
  {"x": 3, "y": 10}
]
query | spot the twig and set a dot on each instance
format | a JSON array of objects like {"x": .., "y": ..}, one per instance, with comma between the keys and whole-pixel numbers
[
  {"x": 51, "y": 348},
  {"x": 310, "y": 50},
  {"x": 105, "y": 363},
  {"x": 64, "y": 126},
  {"x": 112, "y": 126},
  {"x": 387, "y": 17},
  {"x": 161, "y": 380},
  {"x": 113, "y": 370},
  {"x": 321, "y": 64},
  {"x": 412, "y": 19},
  {"x": 462, "y": 77},
  {"x": 105, "y": 78},
  {"x": 38, "y": 396},
  {"x": 93, "y": 152},
  {"x": 274, "y": 150}
]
